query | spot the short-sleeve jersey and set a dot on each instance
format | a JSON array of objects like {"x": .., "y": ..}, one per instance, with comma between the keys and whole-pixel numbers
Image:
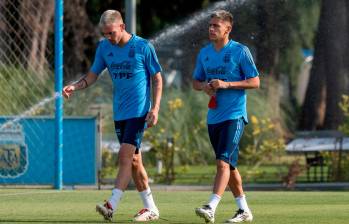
[
  {"x": 233, "y": 62},
  {"x": 130, "y": 68}
]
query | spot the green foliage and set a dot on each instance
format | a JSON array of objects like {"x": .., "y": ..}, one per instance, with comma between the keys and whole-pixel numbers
[
  {"x": 344, "y": 105},
  {"x": 343, "y": 173},
  {"x": 96, "y": 98},
  {"x": 339, "y": 167},
  {"x": 109, "y": 163},
  {"x": 299, "y": 30},
  {"x": 180, "y": 137},
  {"x": 277, "y": 32},
  {"x": 264, "y": 145},
  {"x": 183, "y": 118},
  {"x": 21, "y": 89}
]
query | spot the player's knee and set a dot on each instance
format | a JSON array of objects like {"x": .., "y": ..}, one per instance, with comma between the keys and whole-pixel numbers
[
  {"x": 124, "y": 159},
  {"x": 232, "y": 168},
  {"x": 221, "y": 165},
  {"x": 135, "y": 162}
]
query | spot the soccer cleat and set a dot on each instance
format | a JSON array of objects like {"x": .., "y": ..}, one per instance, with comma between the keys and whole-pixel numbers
[
  {"x": 206, "y": 213},
  {"x": 241, "y": 216},
  {"x": 105, "y": 210},
  {"x": 145, "y": 215}
]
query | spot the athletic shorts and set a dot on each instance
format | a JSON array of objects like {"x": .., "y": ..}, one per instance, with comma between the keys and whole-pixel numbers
[
  {"x": 225, "y": 137},
  {"x": 131, "y": 131}
]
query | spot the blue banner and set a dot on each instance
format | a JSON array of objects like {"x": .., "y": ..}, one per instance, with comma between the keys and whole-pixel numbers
[{"x": 27, "y": 151}]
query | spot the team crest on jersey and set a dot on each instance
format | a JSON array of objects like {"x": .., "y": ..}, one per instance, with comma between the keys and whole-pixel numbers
[
  {"x": 13, "y": 152},
  {"x": 131, "y": 53},
  {"x": 226, "y": 58}
]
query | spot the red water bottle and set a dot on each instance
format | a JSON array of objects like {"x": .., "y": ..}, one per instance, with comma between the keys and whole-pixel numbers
[{"x": 212, "y": 104}]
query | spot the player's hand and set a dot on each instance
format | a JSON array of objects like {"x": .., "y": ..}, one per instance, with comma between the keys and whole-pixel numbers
[
  {"x": 208, "y": 89},
  {"x": 152, "y": 117},
  {"x": 218, "y": 84},
  {"x": 68, "y": 91}
]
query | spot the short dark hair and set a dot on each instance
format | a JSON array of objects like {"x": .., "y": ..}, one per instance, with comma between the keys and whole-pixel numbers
[{"x": 223, "y": 15}]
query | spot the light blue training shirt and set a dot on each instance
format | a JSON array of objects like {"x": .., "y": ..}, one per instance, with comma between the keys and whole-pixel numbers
[
  {"x": 233, "y": 62},
  {"x": 130, "y": 68}
]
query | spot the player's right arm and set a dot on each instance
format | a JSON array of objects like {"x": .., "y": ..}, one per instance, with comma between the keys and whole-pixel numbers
[
  {"x": 203, "y": 86},
  {"x": 83, "y": 83},
  {"x": 199, "y": 78},
  {"x": 98, "y": 66}
]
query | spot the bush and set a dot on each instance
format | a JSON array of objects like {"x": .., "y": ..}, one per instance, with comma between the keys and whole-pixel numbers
[
  {"x": 180, "y": 137},
  {"x": 264, "y": 146}
]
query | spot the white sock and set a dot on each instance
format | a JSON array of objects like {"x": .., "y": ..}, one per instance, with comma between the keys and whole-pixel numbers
[
  {"x": 115, "y": 198},
  {"x": 148, "y": 201},
  {"x": 214, "y": 201},
  {"x": 242, "y": 203}
]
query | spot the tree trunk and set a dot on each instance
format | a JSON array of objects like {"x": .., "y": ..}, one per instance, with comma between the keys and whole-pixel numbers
[
  {"x": 37, "y": 19},
  {"x": 314, "y": 103},
  {"x": 329, "y": 73},
  {"x": 268, "y": 41},
  {"x": 80, "y": 39},
  {"x": 337, "y": 70}
]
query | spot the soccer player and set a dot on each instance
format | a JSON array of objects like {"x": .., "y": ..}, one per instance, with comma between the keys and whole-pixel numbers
[
  {"x": 224, "y": 69},
  {"x": 132, "y": 64}
]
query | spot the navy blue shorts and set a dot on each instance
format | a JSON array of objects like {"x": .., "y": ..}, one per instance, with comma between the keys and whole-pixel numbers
[
  {"x": 225, "y": 137},
  {"x": 131, "y": 131}
]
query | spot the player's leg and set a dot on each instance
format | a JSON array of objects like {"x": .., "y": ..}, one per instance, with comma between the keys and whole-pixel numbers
[
  {"x": 106, "y": 209},
  {"x": 235, "y": 185},
  {"x": 125, "y": 166},
  {"x": 222, "y": 177},
  {"x": 122, "y": 179},
  {"x": 221, "y": 180},
  {"x": 125, "y": 157},
  {"x": 139, "y": 174},
  {"x": 243, "y": 213},
  {"x": 207, "y": 211},
  {"x": 131, "y": 141},
  {"x": 150, "y": 211}
]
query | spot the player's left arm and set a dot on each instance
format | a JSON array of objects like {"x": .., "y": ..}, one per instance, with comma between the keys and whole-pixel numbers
[
  {"x": 153, "y": 114},
  {"x": 251, "y": 83}
]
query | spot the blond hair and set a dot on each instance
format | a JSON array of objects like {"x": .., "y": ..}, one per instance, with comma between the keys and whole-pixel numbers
[{"x": 110, "y": 16}]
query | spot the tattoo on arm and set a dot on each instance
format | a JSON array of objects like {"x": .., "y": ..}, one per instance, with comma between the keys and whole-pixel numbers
[
  {"x": 156, "y": 92},
  {"x": 82, "y": 83}
]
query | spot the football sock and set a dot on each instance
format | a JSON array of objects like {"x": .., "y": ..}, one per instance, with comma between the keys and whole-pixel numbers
[
  {"x": 115, "y": 198},
  {"x": 148, "y": 201},
  {"x": 213, "y": 202},
  {"x": 242, "y": 203}
]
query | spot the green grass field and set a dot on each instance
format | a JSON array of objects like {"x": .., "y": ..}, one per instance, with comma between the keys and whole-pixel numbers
[{"x": 78, "y": 206}]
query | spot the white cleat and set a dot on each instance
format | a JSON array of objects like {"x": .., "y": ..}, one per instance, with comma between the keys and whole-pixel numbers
[
  {"x": 206, "y": 213},
  {"x": 105, "y": 210},
  {"x": 241, "y": 216},
  {"x": 145, "y": 215}
]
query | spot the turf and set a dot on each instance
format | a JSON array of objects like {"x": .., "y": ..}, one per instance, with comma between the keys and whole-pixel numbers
[{"x": 78, "y": 206}]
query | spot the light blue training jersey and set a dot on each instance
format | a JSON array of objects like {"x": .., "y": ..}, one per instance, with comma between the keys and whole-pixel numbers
[
  {"x": 130, "y": 68},
  {"x": 233, "y": 62}
]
